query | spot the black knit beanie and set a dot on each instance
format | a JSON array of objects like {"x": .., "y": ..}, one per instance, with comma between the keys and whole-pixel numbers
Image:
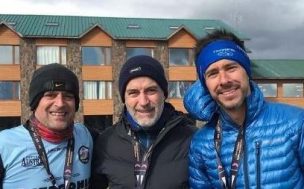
[
  {"x": 142, "y": 66},
  {"x": 52, "y": 77}
]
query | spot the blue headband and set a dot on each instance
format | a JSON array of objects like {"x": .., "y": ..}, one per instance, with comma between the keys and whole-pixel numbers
[{"x": 218, "y": 50}]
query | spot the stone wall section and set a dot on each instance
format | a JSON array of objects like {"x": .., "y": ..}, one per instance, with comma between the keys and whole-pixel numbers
[
  {"x": 118, "y": 59},
  {"x": 74, "y": 64},
  {"x": 27, "y": 68}
]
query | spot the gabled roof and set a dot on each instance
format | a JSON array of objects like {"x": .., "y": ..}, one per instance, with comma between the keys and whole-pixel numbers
[
  {"x": 277, "y": 69},
  {"x": 9, "y": 25},
  {"x": 119, "y": 28},
  {"x": 178, "y": 29}
]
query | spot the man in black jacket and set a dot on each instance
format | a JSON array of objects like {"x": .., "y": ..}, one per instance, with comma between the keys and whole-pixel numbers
[{"x": 148, "y": 147}]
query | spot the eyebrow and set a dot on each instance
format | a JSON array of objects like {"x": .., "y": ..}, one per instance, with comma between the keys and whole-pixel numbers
[{"x": 147, "y": 88}]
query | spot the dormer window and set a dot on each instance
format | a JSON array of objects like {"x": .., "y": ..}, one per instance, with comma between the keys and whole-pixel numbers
[
  {"x": 133, "y": 26},
  {"x": 11, "y": 23},
  {"x": 173, "y": 27},
  {"x": 209, "y": 29},
  {"x": 52, "y": 24}
]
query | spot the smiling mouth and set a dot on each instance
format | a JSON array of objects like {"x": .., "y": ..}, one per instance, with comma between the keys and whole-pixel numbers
[
  {"x": 58, "y": 113},
  {"x": 228, "y": 92}
]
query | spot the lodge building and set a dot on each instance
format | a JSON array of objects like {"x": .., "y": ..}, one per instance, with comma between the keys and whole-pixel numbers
[{"x": 95, "y": 48}]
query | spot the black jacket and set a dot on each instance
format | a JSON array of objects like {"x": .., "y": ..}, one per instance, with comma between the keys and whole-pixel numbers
[{"x": 113, "y": 162}]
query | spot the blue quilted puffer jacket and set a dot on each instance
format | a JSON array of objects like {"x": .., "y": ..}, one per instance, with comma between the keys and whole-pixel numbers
[{"x": 274, "y": 150}]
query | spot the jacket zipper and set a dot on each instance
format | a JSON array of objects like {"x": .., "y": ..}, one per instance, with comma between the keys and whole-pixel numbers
[
  {"x": 160, "y": 136},
  {"x": 246, "y": 177},
  {"x": 258, "y": 163}
]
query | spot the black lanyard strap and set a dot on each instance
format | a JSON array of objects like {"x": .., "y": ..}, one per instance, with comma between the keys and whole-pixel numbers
[
  {"x": 237, "y": 154},
  {"x": 68, "y": 166},
  {"x": 141, "y": 161}
]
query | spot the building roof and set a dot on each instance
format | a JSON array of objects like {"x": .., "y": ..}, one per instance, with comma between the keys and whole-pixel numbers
[
  {"x": 46, "y": 26},
  {"x": 277, "y": 69}
]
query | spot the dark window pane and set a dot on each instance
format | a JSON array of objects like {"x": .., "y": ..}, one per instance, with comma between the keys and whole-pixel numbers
[
  {"x": 98, "y": 122},
  {"x": 9, "y": 90},
  {"x": 96, "y": 56},
  {"x": 179, "y": 57},
  {"x": 92, "y": 56},
  {"x": 9, "y": 122}
]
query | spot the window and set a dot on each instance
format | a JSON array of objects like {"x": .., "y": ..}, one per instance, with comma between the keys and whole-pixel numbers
[
  {"x": 97, "y": 90},
  {"x": 51, "y": 54},
  {"x": 179, "y": 57},
  {"x": 9, "y": 122},
  {"x": 177, "y": 89},
  {"x": 9, "y": 54},
  {"x": 268, "y": 89},
  {"x": 98, "y": 122},
  {"x": 293, "y": 90},
  {"x": 96, "y": 55},
  {"x": 139, "y": 51},
  {"x": 9, "y": 90}
]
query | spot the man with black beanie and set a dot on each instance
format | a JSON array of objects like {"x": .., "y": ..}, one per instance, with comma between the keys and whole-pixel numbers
[
  {"x": 49, "y": 150},
  {"x": 148, "y": 146}
]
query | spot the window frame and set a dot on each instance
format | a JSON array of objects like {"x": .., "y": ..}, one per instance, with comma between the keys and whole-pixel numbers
[
  {"x": 292, "y": 83},
  {"x": 14, "y": 55},
  {"x": 62, "y": 54},
  {"x": 107, "y": 55},
  {"x": 190, "y": 58},
  {"x": 14, "y": 90},
  {"x": 262, "y": 88},
  {"x": 181, "y": 93},
  {"x": 107, "y": 93}
]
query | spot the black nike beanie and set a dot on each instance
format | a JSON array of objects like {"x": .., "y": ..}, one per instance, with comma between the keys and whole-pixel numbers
[{"x": 52, "y": 77}]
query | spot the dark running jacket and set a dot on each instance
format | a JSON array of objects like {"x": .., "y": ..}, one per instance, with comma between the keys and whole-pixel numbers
[
  {"x": 274, "y": 145},
  {"x": 114, "y": 158}
]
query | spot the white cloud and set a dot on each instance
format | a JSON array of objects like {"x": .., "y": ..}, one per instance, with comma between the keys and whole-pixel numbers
[{"x": 273, "y": 25}]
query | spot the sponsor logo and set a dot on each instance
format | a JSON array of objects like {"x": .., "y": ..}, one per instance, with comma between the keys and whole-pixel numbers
[
  {"x": 59, "y": 85},
  {"x": 224, "y": 52},
  {"x": 31, "y": 161},
  {"x": 135, "y": 70},
  {"x": 83, "y": 154}
]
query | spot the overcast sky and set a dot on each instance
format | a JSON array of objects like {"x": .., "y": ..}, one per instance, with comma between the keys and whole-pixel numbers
[{"x": 275, "y": 27}]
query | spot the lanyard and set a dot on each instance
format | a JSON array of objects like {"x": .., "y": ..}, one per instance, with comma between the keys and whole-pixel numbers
[
  {"x": 141, "y": 161},
  {"x": 237, "y": 153},
  {"x": 68, "y": 166}
]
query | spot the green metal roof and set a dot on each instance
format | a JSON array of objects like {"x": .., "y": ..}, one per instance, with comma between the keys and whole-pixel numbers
[
  {"x": 277, "y": 69},
  {"x": 118, "y": 28}
]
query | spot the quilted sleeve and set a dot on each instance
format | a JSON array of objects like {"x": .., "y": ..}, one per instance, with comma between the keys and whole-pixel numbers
[
  {"x": 301, "y": 145},
  {"x": 197, "y": 174}
]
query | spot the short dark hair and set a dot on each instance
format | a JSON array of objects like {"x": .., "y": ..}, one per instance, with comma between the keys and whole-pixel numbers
[{"x": 216, "y": 35}]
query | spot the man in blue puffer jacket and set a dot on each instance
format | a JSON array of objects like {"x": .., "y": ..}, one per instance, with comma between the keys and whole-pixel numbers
[{"x": 246, "y": 142}]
